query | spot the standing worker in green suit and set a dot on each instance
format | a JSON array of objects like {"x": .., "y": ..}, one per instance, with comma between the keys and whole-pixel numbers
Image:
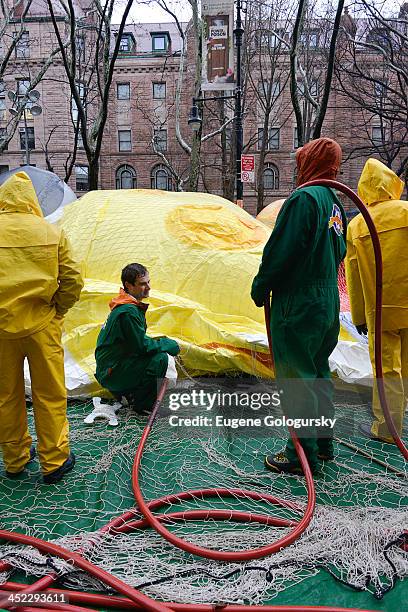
[
  {"x": 128, "y": 362},
  {"x": 299, "y": 265}
]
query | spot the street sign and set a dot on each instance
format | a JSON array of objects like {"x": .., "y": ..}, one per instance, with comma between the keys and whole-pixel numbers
[{"x": 248, "y": 168}]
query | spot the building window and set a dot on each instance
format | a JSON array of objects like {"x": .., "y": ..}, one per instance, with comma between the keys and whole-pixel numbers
[
  {"x": 271, "y": 178},
  {"x": 159, "y": 91},
  {"x": 3, "y": 110},
  {"x": 22, "y": 47},
  {"x": 263, "y": 89},
  {"x": 274, "y": 38},
  {"x": 82, "y": 178},
  {"x": 264, "y": 40},
  {"x": 80, "y": 140},
  {"x": 30, "y": 138},
  {"x": 160, "y": 178},
  {"x": 310, "y": 39},
  {"x": 273, "y": 138},
  {"x": 313, "y": 88},
  {"x": 127, "y": 43},
  {"x": 81, "y": 88},
  {"x": 123, "y": 91},
  {"x": 295, "y": 138},
  {"x": 23, "y": 86},
  {"x": 160, "y": 140},
  {"x": 294, "y": 176},
  {"x": 270, "y": 40},
  {"x": 228, "y": 136},
  {"x": 379, "y": 37},
  {"x": 380, "y": 89},
  {"x": 80, "y": 47},
  {"x": 126, "y": 177},
  {"x": 160, "y": 42},
  {"x": 377, "y": 135},
  {"x": 3, "y": 136},
  {"x": 4, "y": 169},
  {"x": 125, "y": 140},
  {"x": 313, "y": 40}
]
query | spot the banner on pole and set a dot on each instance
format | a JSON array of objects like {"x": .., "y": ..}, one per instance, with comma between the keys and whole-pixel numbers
[
  {"x": 248, "y": 168},
  {"x": 218, "y": 45}
]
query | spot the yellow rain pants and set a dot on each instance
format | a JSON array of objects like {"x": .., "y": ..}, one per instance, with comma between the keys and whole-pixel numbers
[
  {"x": 45, "y": 355},
  {"x": 395, "y": 370}
]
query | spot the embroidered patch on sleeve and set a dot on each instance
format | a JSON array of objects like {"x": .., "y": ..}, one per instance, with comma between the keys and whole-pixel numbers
[{"x": 336, "y": 221}]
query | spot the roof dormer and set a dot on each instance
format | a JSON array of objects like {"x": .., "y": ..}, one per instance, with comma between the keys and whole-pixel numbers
[{"x": 161, "y": 42}]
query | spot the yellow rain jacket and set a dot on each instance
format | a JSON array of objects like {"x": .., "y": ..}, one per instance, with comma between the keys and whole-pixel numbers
[
  {"x": 380, "y": 189},
  {"x": 38, "y": 277}
]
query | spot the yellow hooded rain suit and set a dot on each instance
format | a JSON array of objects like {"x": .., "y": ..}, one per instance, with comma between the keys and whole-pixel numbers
[
  {"x": 381, "y": 189},
  {"x": 39, "y": 282}
]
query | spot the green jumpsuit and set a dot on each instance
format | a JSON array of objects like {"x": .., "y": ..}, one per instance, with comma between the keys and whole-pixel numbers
[
  {"x": 299, "y": 265},
  {"x": 127, "y": 360}
]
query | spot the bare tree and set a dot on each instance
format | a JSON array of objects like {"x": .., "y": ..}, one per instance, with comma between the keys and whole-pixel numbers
[
  {"x": 311, "y": 68},
  {"x": 191, "y": 48},
  {"x": 158, "y": 120},
  {"x": 14, "y": 61},
  {"x": 89, "y": 36},
  {"x": 219, "y": 159},
  {"x": 10, "y": 37},
  {"x": 372, "y": 73},
  {"x": 266, "y": 71}
]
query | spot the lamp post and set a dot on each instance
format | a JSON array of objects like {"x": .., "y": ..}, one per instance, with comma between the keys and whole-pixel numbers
[
  {"x": 195, "y": 119},
  {"x": 19, "y": 105},
  {"x": 239, "y": 31}
]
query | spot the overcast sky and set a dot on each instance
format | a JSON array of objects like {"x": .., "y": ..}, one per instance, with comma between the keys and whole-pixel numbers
[{"x": 149, "y": 11}]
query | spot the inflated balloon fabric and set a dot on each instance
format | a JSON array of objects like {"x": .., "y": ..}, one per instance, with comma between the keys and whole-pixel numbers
[
  {"x": 202, "y": 253},
  {"x": 269, "y": 214}
]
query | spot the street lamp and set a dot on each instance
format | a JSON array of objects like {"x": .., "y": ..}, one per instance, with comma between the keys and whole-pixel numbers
[
  {"x": 239, "y": 31},
  {"x": 20, "y": 104},
  {"x": 195, "y": 119}
]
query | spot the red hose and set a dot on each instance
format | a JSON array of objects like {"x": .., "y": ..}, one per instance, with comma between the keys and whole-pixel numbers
[
  {"x": 112, "y": 601},
  {"x": 63, "y": 553},
  {"x": 237, "y": 515}
]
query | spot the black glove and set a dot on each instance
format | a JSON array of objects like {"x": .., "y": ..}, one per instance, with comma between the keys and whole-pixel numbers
[
  {"x": 362, "y": 329},
  {"x": 259, "y": 303}
]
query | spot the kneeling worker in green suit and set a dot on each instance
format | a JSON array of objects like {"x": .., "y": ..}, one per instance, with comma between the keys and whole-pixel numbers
[
  {"x": 128, "y": 362},
  {"x": 299, "y": 265}
]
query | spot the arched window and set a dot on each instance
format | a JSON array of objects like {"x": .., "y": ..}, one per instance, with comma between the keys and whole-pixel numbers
[
  {"x": 271, "y": 178},
  {"x": 380, "y": 37},
  {"x": 161, "y": 178},
  {"x": 126, "y": 177}
]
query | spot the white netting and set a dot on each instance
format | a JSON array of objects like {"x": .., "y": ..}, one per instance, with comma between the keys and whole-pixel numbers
[{"x": 361, "y": 510}]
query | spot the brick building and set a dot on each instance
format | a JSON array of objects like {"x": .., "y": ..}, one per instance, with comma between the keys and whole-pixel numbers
[{"x": 141, "y": 126}]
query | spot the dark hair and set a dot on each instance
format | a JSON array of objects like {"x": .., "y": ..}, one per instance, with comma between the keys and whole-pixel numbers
[{"x": 131, "y": 272}]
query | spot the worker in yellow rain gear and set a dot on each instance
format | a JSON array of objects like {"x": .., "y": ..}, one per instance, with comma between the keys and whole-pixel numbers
[
  {"x": 381, "y": 189},
  {"x": 39, "y": 282}
]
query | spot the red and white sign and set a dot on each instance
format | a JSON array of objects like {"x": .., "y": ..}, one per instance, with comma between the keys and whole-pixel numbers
[{"x": 247, "y": 168}]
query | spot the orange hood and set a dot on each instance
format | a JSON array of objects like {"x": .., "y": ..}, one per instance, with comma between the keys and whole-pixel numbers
[
  {"x": 318, "y": 159},
  {"x": 126, "y": 298}
]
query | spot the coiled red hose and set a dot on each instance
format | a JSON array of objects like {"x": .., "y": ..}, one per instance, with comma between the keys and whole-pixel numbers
[{"x": 211, "y": 514}]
